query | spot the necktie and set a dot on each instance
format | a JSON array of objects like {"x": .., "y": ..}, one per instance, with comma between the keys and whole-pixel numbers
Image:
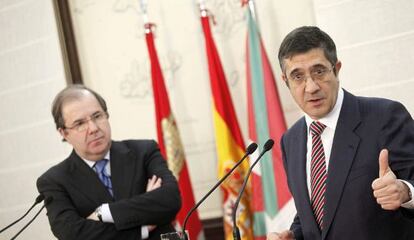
[
  {"x": 318, "y": 172},
  {"x": 103, "y": 175}
]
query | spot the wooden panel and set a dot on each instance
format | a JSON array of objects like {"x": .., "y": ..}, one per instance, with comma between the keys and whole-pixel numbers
[
  {"x": 68, "y": 43},
  {"x": 213, "y": 228}
]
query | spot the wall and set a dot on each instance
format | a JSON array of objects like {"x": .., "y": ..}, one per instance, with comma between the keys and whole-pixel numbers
[
  {"x": 31, "y": 72},
  {"x": 374, "y": 40}
]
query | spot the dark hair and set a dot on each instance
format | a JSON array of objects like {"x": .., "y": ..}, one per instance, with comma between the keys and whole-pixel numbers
[
  {"x": 72, "y": 92},
  {"x": 306, "y": 38}
]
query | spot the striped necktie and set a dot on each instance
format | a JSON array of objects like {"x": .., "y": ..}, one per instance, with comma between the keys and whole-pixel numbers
[
  {"x": 103, "y": 175},
  {"x": 318, "y": 172}
]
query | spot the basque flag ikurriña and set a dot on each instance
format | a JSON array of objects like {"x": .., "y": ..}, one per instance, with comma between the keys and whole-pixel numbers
[{"x": 272, "y": 203}]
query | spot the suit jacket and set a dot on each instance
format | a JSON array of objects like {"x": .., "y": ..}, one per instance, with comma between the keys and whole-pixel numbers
[
  {"x": 77, "y": 191},
  {"x": 365, "y": 126}
]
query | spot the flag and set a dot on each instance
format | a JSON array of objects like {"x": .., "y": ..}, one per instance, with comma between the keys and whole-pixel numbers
[
  {"x": 229, "y": 142},
  {"x": 170, "y": 143},
  {"x": 271, "y": 201}
]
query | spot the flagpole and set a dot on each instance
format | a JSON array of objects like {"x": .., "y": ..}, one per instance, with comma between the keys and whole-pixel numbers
[
  {"x": 202, "y": 6},
  {"x": 144, "y": 7},
  {"x": 252, "y": 9}
]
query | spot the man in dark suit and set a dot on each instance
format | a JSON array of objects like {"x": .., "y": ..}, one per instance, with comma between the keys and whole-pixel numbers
[
  {"x": 105, "y": 189},
  {"x": 350, "y": 160}
]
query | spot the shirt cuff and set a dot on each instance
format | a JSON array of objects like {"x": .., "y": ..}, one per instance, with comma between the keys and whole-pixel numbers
[
  {"x": 107, "y": 217},
  {"x": 106, "y": 213},
  {"x": 144, "y": 232},
  {"x": 409, "y": 204}
]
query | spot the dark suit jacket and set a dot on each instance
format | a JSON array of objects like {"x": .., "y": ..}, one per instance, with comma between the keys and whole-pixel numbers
[
  {"x": 77, "y": 192},
  {"x": 365, "y": 126}
]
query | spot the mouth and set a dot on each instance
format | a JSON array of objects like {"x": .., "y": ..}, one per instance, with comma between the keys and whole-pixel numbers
[
  {"x": 315, "y": 102},
  {"x": 96, "y": 140}
]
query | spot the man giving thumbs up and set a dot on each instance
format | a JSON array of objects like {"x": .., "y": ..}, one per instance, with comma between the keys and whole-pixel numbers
[{"x": 345, "y": 185}]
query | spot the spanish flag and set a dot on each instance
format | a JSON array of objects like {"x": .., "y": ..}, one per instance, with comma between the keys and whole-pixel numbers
[
  {"x": 229, "y": 142},
  {"x": 169, "y": 141}
]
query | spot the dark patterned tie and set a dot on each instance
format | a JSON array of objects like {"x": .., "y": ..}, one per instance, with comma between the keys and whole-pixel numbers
[
  {"x": 318, "y": 172},
  {"x": 103, "y": 175}
]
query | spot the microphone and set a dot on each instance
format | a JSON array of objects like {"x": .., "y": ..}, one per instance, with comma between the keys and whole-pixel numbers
[
  {"x": 250, "y": 149},
  {"x": 37, "y": 201},
  {"x": 47, "y": 201},
  {"x": 266, "y": 147}
]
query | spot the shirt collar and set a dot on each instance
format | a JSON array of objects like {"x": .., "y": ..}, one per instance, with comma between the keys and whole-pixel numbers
[
  {"x": 331, "y": 119},
  {"x": 92, "y": 163}
]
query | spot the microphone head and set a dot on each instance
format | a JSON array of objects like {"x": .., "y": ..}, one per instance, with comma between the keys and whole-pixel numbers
[
  {"x": 268, "y": 145},
  {"x": 40, "y": 198},
  {"x": 251, "y": 148},
  {"x": 48, "y": 200}
]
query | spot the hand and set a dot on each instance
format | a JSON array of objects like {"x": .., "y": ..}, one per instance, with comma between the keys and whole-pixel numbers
[
  {"x": 93, "y": 217},
  {"x": 153, "y": 183},
  {"x": 285, "y": 235},
  {"x": 151, "y": 227},
  {"x": 388, "y": 190}
]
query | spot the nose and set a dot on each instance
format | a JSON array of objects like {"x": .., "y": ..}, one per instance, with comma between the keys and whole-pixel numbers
[
  {"x": 92, "y": 126},
  {"x": 310, "y": 85}
]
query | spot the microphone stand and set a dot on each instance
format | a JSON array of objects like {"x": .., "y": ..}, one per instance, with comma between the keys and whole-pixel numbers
[
  {"x": 236, "y": 233},
  {"x": 250, "y": 149},
  {"x": 47, "y": 201},
  {"x": 37, "y": 201}
]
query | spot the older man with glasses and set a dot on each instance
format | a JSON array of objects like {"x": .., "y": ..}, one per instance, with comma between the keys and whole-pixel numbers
[{"x": 105, "y": 189}]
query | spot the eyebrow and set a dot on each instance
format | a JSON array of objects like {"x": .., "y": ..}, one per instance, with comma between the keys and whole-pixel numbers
[
  {"x": 311, "y": 67},
  {"x": 294, "y": 71},
  {"x": 318, "y": 65},
  {"x": 83, "y": 119},
  {"x": 78, "y": 121}
]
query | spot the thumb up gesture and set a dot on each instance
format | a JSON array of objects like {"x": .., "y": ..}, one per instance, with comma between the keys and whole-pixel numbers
[
  {"x": 388, "y": 190},
  {"x": 384, "y": 168}
]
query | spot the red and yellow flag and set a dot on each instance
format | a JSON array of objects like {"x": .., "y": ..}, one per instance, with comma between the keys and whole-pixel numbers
[
  {"x": 229, "y": 142},
  {"x": 169, "y": 141}
]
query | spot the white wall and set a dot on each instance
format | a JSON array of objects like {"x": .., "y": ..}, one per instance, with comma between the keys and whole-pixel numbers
[
  {"x": 31, "y": 72},
  {"x": 375, "y": 43}
]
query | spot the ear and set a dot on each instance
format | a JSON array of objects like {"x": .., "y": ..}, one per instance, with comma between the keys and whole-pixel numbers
[
  {"x": 63, "y": 133},
  {"x": 284, "y": 78},
  {"x": 338, "y": 66}
]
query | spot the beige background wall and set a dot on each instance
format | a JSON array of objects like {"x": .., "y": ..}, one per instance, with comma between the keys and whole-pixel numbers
[
  {"x": 374, "y": 41},
  {"x": 31, "y": 72}
]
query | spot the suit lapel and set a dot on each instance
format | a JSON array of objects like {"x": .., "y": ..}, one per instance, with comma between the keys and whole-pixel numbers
[
  {"x": 298, "y": 153},
  {"x": 345, "y": 144},
  {"x": 87, "y": 181},
  {"x": 122, "y": 170}
]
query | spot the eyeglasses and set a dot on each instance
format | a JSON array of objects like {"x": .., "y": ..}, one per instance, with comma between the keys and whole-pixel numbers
[
  {"x": 317, "y": 73},
  {"x": 83, "y": 124}
]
